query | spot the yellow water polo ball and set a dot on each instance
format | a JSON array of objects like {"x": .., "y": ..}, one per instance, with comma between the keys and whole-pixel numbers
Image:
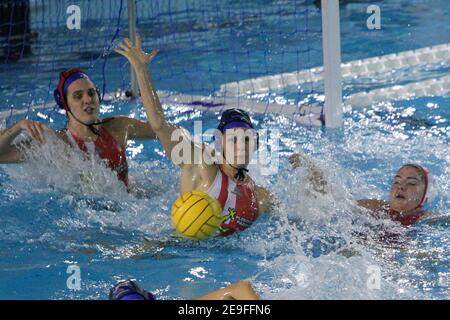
[{"x": 196, "y": 215}]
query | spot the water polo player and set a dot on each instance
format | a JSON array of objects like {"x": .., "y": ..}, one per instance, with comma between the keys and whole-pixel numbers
[
  {"x": 410, "y": 190},
  {"x": 130, "y": 290},
  {"x": 79, "y": 97},
  {"x": 228, "y": 181}
]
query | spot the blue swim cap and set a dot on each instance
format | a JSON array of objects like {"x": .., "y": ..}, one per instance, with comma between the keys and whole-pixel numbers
[
  {"x": 66, "y": 78},
  {"x": 234, "y": 118},
  {"x": 72, "y": 78},
  {"x": 129, "y": 290}
]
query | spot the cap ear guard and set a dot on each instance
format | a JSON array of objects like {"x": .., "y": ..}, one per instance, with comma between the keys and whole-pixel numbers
[
  {"x": 58, "y": 99},
  {"x": 430, "y": 190},
  {"x": 58, "y": 93}
]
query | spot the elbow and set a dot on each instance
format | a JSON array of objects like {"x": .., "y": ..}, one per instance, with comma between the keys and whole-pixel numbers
[{"x": 243, "y": 284}]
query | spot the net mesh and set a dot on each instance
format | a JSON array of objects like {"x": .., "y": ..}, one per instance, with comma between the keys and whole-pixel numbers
[{"x": 215, "y": 48}]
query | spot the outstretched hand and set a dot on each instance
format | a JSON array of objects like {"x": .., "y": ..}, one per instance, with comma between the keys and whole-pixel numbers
[
  {"x": 35, "y": 129},
  {"x": 134, "y": 53}
]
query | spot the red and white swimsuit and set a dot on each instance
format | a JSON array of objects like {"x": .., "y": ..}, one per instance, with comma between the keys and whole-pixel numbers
[
  {"x": 238, "y": 200},
  {"x": 108, "y": 149},
  {"x": 405, "y": 220}
]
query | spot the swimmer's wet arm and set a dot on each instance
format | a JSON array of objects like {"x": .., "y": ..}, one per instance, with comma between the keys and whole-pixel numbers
[
  {"x": 375, "y": 206},
  {"x": 372, "y": 204},
  {"x": 132, "y": 128},
  {"x": 10, "y": 153},
  {"x": 241, "y": 290},
  {"x": 153, "y": 108},
  {"x": 169, "y": 135}
]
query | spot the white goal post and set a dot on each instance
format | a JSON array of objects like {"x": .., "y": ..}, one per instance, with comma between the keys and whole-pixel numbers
[{"x": 332, "y": 63}]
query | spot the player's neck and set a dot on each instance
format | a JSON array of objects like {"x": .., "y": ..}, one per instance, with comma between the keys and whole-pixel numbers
[
  {"x": 230, "y": 172},
  {"x": 81, "y": 131}
]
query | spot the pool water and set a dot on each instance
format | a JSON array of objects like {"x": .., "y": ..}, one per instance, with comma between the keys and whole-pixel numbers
[{"x": 313, "y": 246}]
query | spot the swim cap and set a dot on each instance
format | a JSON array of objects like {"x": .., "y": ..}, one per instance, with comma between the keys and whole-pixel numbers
[
  {"x": 129, "y": 290},
  {"x": 66, "y": 78},
  {"x": 72, "y": 78},
  {"x": 234, "y": 118}
]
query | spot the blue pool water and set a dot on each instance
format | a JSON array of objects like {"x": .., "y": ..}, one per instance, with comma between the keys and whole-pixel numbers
[{"x": 310, "y": 248}]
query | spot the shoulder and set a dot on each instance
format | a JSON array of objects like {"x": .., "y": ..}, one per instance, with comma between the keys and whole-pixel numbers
[
  {"x": 262, "y": 194},
  {"x": 203, "y": 161},
  {"x": 264, "y": 198},
  {"x": 114, "y": 123},
  {"x": 62, "y": 135},
  {"x": 195, "y": 177},
  {"x": 119, "y": 123},
  {"x": 202, "y": 175},
  {"x": 261, "y": 191},
  {"x": 116, "y": 127},
  {"x": 372, "y": 204}
]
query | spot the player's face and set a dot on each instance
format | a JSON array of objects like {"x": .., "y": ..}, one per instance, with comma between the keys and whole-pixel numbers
[
  {"x": 82, "y": 100},
  {"x": 407, "y": 190},
  {"x": 238, "y": 146}
]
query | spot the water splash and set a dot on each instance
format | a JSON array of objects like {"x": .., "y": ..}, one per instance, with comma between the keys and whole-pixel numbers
[{"x": 313, "y": 246}]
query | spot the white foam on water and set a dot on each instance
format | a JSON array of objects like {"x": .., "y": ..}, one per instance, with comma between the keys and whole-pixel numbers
[
  {"x": 308, "y": 221},
  {"x": 92, "y": 192},
  {"x": 311, "y": 248}
]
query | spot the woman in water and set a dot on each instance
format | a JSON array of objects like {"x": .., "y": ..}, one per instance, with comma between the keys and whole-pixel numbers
[
  {"x": 222, "y": 176},
  {"x": 77, "y": 94},
  {"x": 130, "y": 290},
  {"x": 409, "y": 192}
]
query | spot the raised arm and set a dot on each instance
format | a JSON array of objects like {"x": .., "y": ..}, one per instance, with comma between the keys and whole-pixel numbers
[
  {"x": 10, "y": 153},
  {"x": 155, "y": 113},
  {"x": 125, "y": 128}
]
